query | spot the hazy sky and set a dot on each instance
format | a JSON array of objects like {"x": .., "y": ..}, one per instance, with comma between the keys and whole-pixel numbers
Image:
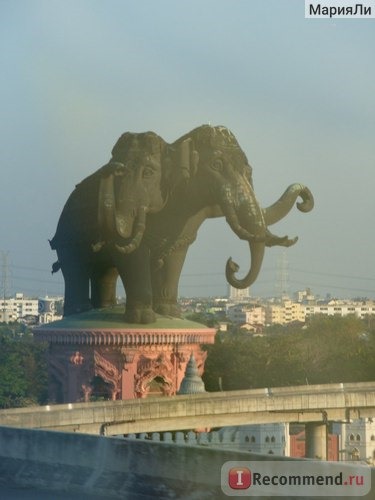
[{"x": 298, "y": 94}]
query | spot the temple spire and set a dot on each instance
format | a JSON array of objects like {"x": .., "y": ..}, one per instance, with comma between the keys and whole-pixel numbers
[{"x": 192, "y": 382}]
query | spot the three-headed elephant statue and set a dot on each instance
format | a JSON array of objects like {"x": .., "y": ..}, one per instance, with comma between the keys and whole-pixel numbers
[{"x": 137, "y": 216}]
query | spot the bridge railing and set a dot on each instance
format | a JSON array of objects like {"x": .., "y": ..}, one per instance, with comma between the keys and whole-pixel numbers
[{"x": 347, "y": 387}]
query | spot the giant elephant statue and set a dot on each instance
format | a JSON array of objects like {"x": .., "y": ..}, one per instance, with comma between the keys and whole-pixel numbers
[
  {"x": 100, "y": 231},
  {"x": 203, "y": 174}
]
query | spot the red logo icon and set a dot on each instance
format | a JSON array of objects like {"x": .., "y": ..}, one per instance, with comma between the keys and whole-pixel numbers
[{"x": 239, "y": 478}]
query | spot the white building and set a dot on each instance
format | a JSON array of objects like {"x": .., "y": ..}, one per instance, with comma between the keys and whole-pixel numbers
[
  {"x": 238, "y": 294},
  {"x": 285, "y": 312},
  {"x": 17, "y": 307},
  {"x": 253, "y": 315},
  {"x": 358, "y": 440},
  {"x": 21, "y": 307},
  {"x": 272, "y": 439},
  {"x": 48, "y": 310},
  {"x": 341, "y": 308}
]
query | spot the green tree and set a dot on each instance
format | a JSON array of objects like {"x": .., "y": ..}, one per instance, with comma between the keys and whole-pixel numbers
[
  {"x": 23, "y": 369},
  {"x": 329, "y": 349}
]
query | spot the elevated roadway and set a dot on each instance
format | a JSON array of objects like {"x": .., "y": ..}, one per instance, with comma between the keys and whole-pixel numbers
[{"x": 303, "y": 404}]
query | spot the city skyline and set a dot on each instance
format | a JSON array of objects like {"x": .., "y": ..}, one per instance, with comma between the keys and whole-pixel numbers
[{"x": 297, "y": 93}]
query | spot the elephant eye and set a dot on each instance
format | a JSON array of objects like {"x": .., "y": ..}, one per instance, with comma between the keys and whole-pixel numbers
[
  {"x": 217, "y": 165},
  {"x": 148, "y": 172}
]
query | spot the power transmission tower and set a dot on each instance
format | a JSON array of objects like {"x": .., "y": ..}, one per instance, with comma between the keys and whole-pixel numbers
[
  {"x": 4, "y": 282},
  {"x": 282, "y": 279}
]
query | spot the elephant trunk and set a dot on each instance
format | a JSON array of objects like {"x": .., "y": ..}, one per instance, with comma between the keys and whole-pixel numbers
[
  {"x": 257, "y": 254},
  {"x": 245, "y": 217},
  {"x": 285, "y": 203},
  {"x": 139, "y": 229},
  {"x": 118, "y": 214}
]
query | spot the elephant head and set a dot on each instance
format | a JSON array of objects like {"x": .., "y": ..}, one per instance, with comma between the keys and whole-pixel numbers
[
  {"x": 110, "y": 206},
  {"x": 130, "y": 187},
  {"x": 217, "y": 174}
]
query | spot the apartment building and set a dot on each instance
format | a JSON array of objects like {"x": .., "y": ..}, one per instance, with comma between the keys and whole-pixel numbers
[
  {"x": 361, "y": 309},
  {"x": 20, "y": 307},
  {"x": 17, "y": 307},
  {"x": 241, "y": 314},
  {"x": 284, "y": 312},
  {"x": 288, "y": 311}
]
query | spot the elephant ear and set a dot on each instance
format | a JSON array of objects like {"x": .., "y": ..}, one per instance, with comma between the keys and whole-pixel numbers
[{"x": 181, "y": 163}]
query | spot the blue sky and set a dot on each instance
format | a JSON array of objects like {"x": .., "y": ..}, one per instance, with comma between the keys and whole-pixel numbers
[{"x": 297, "y": 93}]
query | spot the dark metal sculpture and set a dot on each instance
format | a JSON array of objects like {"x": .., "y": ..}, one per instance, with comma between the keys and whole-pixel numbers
[{"x": 137, "y": 216}]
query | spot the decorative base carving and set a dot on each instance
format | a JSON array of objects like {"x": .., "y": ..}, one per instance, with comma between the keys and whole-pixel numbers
[{"x": 94, "y": 363}]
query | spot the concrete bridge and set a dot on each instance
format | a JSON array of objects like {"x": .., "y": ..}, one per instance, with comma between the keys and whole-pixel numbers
[{"x": 313, "y": 405}]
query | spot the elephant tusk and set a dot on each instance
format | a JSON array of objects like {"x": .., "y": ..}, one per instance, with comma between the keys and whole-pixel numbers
[
  {"x": 96, "y": 247},
  {"x": 283, "y": 241},
  {"x": 126, "y": 249}
]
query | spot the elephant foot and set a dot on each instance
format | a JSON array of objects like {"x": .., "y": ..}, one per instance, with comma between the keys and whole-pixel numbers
[
  {"x": 142, "y": 315},
  {"x": 71, "y": 309},
  {"x": 168, "y": 309}
]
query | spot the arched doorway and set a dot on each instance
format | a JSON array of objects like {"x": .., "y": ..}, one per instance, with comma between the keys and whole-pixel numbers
[
  {"x": 55, "y": 390},
  {"x": 101, "y": 390},
  {"x": 156, "y": 387}
]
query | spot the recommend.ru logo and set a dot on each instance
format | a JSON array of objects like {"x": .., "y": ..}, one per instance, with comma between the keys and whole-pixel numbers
[{"x": 295, "y": 478}]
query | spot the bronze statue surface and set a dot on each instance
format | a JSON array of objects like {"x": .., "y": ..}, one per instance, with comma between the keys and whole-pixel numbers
[{"x": 136, "y": 217}]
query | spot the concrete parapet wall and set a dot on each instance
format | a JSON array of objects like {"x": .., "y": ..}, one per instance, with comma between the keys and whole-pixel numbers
[{"x": 115, "y": 468}]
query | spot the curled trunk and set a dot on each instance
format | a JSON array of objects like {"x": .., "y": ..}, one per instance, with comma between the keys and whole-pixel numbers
[
  {"x": 139, "y": 229},
  {"x": 117, "y": 212},
  {"x": 245, "y": 217},
  {"x": 257, "y": 253}
]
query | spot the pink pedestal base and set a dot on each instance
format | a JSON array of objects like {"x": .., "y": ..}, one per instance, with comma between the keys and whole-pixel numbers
[{"x": 88, "y": 362}]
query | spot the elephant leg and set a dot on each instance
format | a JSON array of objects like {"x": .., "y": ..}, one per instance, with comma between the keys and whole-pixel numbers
[
  {"x": 76, "y": 277},
  {"x": 165, "y": 279},
  {"x": 103, "y": 286},
  {"x": 134, "y": 271},
  {"x": 165, "y": 283}
]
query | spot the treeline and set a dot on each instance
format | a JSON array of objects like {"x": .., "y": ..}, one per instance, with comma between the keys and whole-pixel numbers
[
  {"x": 23, "y": 367},
  {"x": 326, "y": 350}
]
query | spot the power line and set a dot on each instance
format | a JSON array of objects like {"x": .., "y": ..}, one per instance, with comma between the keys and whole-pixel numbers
[
  {"x": 220, "y": 273},
  {"x": 317, "y": 273},
  {"x": 32, "y": 268},
  {"x": 321, "y": 285},
  {"x": 37, "y": 280}
]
